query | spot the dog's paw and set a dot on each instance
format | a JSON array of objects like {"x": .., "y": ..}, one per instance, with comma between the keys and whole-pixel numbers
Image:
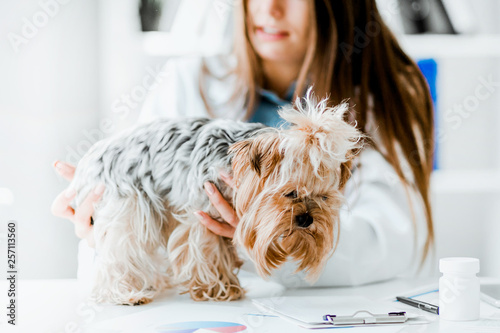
[
  {"x": 140, "y": 301},
  {"x": 216, "y": 292}
]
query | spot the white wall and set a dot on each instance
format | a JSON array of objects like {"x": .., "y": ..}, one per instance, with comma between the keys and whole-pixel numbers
[
  {"x": 466, "y": 221},
  {"x": 48, "y": 96},
  {"x": 123, "y": 64}
]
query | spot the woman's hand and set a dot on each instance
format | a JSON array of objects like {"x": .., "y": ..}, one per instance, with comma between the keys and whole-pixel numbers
[
  {"x": 223, "y": 207},
  {"x": 81, "y": 216}
]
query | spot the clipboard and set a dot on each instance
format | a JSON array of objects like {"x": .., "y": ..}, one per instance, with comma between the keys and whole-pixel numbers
[
  {"x": 339, "y": 311},
  {"x": 367, "y": 319}
]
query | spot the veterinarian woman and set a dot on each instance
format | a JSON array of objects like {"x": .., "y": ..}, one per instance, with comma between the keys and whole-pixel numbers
[{"x": 343, "y": 48}]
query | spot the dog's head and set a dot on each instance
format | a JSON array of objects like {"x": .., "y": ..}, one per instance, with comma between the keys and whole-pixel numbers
[{"x": 289, "y": 184}]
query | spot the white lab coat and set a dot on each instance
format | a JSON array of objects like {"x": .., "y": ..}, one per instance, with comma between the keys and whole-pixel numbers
[{"x": 378, "y": 239}]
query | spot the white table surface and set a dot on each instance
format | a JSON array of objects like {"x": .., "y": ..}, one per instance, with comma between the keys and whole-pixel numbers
[{"x": 61, "y": 306}]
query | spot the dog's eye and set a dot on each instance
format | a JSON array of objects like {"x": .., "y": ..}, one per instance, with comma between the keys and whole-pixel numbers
[
  {"x": 324, "y": 198},
  {"x": 292, "y": 195}
]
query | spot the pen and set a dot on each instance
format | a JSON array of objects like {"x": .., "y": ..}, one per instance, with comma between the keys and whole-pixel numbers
[{"x": 419, "y": 304}]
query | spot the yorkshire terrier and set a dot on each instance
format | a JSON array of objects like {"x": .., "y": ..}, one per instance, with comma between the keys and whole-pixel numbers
[{"x": 287, "y": 197}]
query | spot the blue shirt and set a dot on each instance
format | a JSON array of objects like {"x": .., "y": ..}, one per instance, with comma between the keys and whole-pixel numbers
[{"x": 269, "y": 104}]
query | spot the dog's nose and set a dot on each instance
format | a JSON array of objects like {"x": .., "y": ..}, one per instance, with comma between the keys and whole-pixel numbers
[{"x": 304, "y": 220}]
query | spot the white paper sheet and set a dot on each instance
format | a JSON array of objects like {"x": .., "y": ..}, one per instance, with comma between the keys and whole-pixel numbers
[
  {"x": 309, "y": 311},
  {"x": 152, "y": 320}
]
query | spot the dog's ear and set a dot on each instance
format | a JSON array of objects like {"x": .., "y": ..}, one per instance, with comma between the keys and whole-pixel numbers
[
  {"x": 345, "y": 174},
  {"x": 346, "y": 167},
  {"x": 239, "y": 161},
  {"x": 260, "y": 154}
]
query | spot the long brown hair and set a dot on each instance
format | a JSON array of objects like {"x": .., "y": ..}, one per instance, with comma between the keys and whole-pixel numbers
[{"x": 353, "y": 55}]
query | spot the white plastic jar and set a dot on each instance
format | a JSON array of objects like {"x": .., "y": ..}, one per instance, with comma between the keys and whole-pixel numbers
[{"x": 459, "y": 289}]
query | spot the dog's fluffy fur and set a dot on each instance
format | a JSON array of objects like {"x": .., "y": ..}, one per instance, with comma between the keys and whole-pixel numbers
[{"x": 287, "y": 198}]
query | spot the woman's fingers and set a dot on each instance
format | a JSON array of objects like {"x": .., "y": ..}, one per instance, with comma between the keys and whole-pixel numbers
[
  {"x": 82, "y": 216},
  {"x": 223, "y": 207},
  {"x": 66, "y": 170},
  {"x": 218, "y": 228},
  {"x": 90, "y": 239},
  {"x": 225, "y": 210},
  {"x": 61, "y": 205},
  {"x": 84, "y": 212},
  {"x": 227, "y": 179},
  {"x": 82, "y": 230}
]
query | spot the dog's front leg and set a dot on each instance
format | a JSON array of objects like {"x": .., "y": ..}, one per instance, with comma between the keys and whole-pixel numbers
[{"x": 203, "y": 263}]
